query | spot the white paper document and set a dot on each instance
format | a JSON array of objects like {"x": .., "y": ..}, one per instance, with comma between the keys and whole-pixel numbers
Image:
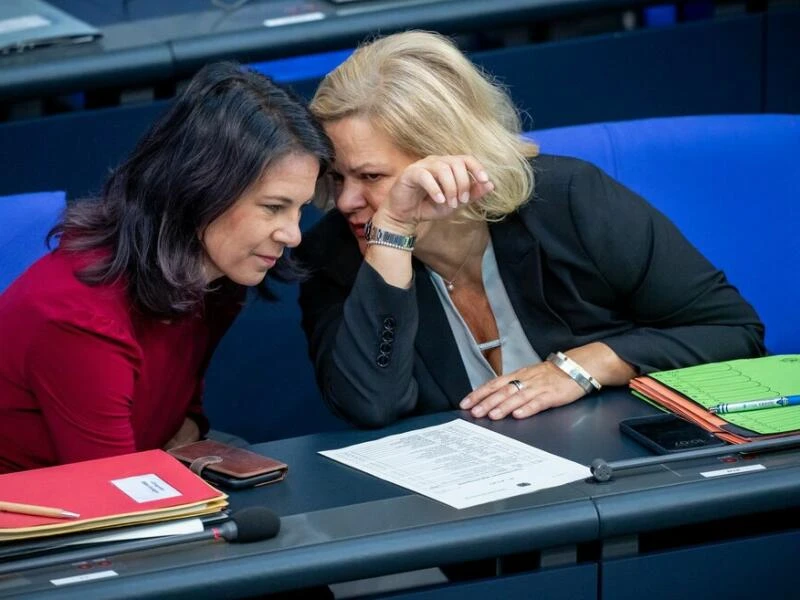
[{"x": 460, "y": 464}]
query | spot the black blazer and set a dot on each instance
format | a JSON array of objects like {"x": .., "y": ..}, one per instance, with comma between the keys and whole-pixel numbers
[{"x": 584, "y": 260}]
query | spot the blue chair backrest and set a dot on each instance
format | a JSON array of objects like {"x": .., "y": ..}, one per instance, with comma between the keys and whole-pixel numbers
[
  {"x": 729, "y": 182},
  {"x": 25, "y": 220}
]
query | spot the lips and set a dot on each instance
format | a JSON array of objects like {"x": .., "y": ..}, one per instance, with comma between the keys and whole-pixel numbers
[
  {"x": 268, "y": 260},
  {"x": 357, "y": 229}
]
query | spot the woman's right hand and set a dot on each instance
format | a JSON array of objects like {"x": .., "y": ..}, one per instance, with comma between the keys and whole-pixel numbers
[{"x": 433, "y": 188}]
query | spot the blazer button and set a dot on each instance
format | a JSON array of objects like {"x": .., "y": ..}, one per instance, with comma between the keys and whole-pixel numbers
[
  {"x": 389, "y": 323},
  {"x": 382, "y": 360},
  {"x": 385, "y": 347}
]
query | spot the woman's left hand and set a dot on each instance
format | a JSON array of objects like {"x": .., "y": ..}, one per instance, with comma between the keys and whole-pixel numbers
[
  {"x": 188, "y": 433},
  {"x": 543, "y": 386}
]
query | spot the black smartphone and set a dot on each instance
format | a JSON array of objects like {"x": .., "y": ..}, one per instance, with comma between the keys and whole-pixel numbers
[{"x": 668, "y": 433}]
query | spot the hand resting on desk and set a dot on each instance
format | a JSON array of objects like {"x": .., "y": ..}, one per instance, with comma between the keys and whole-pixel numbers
[{"x": 544, "y": 385}]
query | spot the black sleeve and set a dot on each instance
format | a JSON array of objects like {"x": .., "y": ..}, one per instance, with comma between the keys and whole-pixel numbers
[
  {"x": 685, "y": 309},
  {"x": 361, "y": 341}
]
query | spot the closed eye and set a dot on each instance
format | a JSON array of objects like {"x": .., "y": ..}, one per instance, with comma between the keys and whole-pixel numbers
[
  {"x": 273, "y": 208},
  {"x": 371, "y": 176}
]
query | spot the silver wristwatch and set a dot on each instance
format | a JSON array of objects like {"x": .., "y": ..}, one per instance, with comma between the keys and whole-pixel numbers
[
  {"x": 382, "y": 237},
  {"x": 576, "y": 372}
]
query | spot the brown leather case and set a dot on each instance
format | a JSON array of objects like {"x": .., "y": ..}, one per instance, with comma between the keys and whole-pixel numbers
[{"x": 229, "y": 460}]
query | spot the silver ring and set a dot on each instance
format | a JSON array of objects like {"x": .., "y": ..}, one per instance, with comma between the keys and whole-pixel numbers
[{"x": 517, "y": 384}]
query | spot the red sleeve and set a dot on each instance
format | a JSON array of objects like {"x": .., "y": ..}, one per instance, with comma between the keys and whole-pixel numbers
[
  {"x": 222, "y": 314},
  {"x": 82, "y": 376},
  {"x": 195, "y": 411}
]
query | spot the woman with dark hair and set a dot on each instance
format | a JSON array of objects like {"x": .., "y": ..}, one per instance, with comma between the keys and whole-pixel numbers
[{"x": 107, "y": 337}]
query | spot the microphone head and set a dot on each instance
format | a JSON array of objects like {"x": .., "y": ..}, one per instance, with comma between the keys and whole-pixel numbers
[{"x": 255, "y": 523}]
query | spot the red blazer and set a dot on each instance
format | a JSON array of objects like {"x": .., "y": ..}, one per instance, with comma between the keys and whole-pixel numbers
[{"x": 83, "y": 375}]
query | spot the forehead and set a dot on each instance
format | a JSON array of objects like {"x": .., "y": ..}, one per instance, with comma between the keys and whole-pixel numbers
[
  {"x": 292, "y": 176},
  {"x": 357, "y": 142}
]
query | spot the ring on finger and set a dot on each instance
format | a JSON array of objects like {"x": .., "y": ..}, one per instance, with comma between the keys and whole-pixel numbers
[{"x": 517, "y": 384}]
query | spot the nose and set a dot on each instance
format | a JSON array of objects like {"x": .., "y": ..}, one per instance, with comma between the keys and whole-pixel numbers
[
  {"x": 349, "y": 198},
  {"x": 289, "y": 234}
]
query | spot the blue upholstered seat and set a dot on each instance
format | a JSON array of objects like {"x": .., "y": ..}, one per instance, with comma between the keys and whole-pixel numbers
[
  {"x": 25, "y": 220},
  {"x": 729, "y": 182}
]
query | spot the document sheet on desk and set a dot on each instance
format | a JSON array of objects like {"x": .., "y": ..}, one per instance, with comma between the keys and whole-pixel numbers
[{"x": 460, "y": 464}]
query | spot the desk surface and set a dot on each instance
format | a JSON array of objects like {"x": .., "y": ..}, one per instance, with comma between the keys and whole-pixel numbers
[
  {"x": 145, "y": 42},
  {"x": 339, "y": 524}
]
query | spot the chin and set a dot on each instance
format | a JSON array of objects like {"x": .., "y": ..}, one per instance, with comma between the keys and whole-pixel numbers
[{"x": 249, "y": 280}]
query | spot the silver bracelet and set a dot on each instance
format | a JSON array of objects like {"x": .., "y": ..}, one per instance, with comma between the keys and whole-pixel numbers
[
  {"x": 389, "y": 245},
  {"x": 576, "y": 372}
]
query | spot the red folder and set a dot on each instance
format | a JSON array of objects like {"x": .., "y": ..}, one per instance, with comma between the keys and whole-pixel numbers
[{"x": 165, "y": 489}]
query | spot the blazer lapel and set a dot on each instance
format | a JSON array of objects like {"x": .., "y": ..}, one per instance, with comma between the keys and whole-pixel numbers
[
  {"x": 519, "y": 260},
  {"x": 435, "y": 342}
]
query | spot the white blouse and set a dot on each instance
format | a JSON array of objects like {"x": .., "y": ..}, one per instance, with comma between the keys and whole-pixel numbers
[{"x": 517, "y": 351}]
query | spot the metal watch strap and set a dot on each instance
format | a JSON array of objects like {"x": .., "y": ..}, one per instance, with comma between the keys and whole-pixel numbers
[
  {"x": 576, "y": 372},
  {"x": 382, "y": 237}
]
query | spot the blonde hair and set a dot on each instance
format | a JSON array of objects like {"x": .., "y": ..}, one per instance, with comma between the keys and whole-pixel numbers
[{"x": 420, "y": 90}]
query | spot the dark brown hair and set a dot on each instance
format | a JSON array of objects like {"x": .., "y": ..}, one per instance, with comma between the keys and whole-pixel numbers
[{"x": 218, "y": 138}]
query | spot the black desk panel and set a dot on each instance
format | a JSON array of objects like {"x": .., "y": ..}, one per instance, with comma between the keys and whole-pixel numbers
[
  {"x": 782, "y": 71},
  {"x": 647, "y": 73},
  {"x": 339, "y": 524},
  {"x": 677, "y": 494},
  {"x": 763, "y": 567},
  {"x": 174, "y": 45},
  {"x": 569, "y": 583}
]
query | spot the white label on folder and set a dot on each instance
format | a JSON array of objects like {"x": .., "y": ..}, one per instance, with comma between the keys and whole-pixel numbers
[
  {"x": 733, "y": 470},
  {"x": 146, "y": 488},
  {"x": 23, "y": 23},
  {"x": 84, "y": 577}
]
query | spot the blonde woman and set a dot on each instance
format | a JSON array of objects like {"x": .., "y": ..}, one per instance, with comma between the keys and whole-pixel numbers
[{"x": 463, "y": 269}]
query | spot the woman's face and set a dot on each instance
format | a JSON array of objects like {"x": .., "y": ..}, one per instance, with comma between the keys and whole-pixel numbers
[
  {"x": 245, "y": 241},
  {"x": 367, "y": 165}
]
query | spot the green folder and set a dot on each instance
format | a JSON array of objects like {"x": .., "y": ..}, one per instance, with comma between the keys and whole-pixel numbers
[{"x": 741, "y": 380}]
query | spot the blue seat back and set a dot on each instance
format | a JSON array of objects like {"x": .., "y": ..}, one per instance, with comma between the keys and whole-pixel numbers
[
  {"x": 25, "y": 220},
  {"x": 729, "y": 182}
]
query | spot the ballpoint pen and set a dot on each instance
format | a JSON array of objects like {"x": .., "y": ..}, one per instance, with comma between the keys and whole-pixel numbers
[
  {"x": 730, "y": 407},
  {"x": 39, "y": 511}
]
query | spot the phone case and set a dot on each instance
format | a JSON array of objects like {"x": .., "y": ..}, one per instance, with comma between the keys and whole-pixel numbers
[{"x": 237, "y": 467}]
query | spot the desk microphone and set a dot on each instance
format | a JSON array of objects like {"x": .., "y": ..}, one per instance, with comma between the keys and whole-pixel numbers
[
  {"x": 251, "y": 524},
  {"x": 603, "y": 471}
]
